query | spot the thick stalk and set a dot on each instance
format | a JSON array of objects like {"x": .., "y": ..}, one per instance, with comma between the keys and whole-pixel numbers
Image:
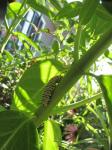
[{"x": 73, "y": 75}]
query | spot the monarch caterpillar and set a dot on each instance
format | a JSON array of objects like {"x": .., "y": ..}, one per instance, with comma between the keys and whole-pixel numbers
[{"x": 50, "y": 89}]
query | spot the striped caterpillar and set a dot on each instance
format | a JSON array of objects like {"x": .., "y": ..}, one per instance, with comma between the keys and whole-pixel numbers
[{"x": 50, "y": 89}]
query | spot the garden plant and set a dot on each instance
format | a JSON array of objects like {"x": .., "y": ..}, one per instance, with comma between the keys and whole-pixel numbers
[{"x": 56, "y": 96}]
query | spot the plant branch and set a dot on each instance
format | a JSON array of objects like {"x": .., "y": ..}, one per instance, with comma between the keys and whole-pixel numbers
[
  {"x": 73, "y": 75},
  {"x": 12, "y": 27},
  {"x": 78, "y": 104}
]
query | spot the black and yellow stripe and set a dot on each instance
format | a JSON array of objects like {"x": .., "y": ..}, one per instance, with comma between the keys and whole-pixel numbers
[{"x": 50, "y": 89}]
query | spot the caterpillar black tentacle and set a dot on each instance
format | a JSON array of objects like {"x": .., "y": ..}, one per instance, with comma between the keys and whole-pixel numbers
[{"x": 50, "y": 89}]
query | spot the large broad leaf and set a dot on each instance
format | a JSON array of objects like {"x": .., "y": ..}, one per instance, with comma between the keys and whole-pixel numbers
[
  {"x": 52, "y": 135},
  {"x": 17, "y": 132},
  {"x": 87, "y": 10},
  {"x": 28, "y": 93},
  {"x": 70, "y": 10},
  {"x": 105, "y": 82}
]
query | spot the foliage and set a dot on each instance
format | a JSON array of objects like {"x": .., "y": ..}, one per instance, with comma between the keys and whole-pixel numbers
[{"x": 78, "y": 114}]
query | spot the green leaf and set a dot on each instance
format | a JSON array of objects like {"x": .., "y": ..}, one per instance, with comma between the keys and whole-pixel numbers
[
  {"x": 39, "y": 7},
  {"x": 87, "y": 10},
  {"x": 0, "y": 56},
  {"x": 56, "y": 4},
  {"x": 28, "y": 93},
  {"x": 69, "y": 11},
  {"x": 14, "y": 8},
  {"x": 9, "y": 56},
  {"x": 42, "y": 2},
  {"x": 100, "y": 26},
  {"x": 102, "y": 13},
  {"x": 23, "y": 37},
  {"x": 55, "y": 46},
  {"x": 17, "y": 132},
  {"x": 2, "y": 108},
  {"x": 62, "y": 109},
  {"x": 70, "y": 39},
  {"x": 52, "y": 135},
  {"x": 108, "y": 54},
  {"x": 105, "y": 82}
]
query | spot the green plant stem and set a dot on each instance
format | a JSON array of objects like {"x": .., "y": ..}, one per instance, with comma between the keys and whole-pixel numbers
[
  {"x": 104, "y": 125},
  {"x": 77, "y": 43},
  {"x": 63, "y": 109},
  {"x": 12, "y": 27},
  {"x": 74, "y": 74}
]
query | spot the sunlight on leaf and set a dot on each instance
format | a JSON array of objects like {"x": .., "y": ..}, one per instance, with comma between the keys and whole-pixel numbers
[
  {"x": 47, "y": 70},
  {"x": 15, "y": 6},
  {"x": 28, "y": 93},
  {"x": 52, "y": 135},
  {"x": 26, "y": 100}
]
